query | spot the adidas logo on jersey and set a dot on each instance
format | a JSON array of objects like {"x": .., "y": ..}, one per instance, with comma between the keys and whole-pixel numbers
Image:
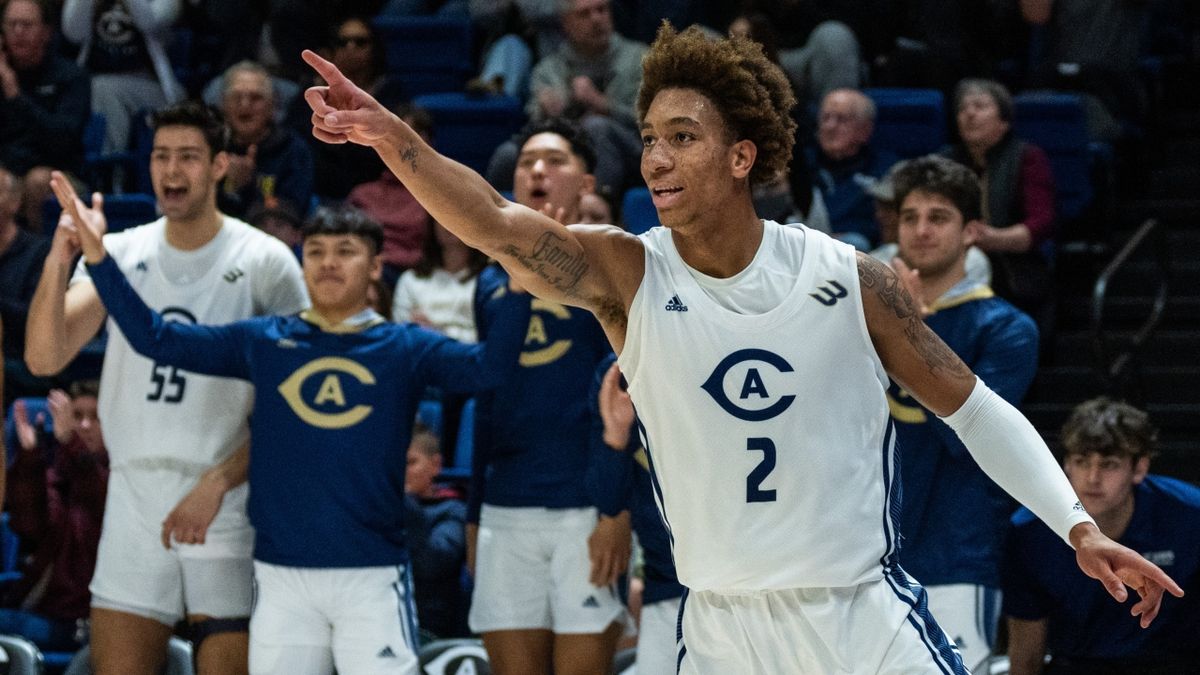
[
  {"x": 141, "y": 266},
  {"x": 386, "y": 653},
  {"x": 233, "y": 275},
  {"x": 676, "y": 305},
  {"x": 591, "y": 602}
]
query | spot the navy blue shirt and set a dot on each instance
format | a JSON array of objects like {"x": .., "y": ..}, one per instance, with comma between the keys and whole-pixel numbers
[
  {"x": 953, "y": 517},
  {"x": 531, "y": 442},
  {"x": 1043, "y": 581},
  {"x": 333, "y": 415}
]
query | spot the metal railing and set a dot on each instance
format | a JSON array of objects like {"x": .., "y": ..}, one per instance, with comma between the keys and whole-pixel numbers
[{"x": 1116, "y": 366}]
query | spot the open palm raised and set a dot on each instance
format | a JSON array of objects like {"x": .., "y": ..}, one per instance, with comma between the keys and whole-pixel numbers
[{"x": 88, "y": 224}]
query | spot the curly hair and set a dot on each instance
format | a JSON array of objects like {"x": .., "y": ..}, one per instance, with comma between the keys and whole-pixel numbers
[{"x": 752, "y": 94}]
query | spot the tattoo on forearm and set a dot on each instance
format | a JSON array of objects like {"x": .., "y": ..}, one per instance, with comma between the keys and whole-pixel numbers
[
  {"x": 409, "y": 155},
  {"x": 880, "y": 278},
  {"x": 552, "y": 261}
]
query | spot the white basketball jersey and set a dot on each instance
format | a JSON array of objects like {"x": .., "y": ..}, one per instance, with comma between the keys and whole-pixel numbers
[
  {"x": 156, "y": 416},
  {"x": 768, "y": 434}
]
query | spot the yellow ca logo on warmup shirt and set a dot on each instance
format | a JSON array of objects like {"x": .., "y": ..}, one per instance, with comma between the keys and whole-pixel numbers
[{"x": 329, "y": 391}]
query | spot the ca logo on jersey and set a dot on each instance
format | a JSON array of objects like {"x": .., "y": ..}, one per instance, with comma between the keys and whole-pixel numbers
[
  {"x": 752, "y": 376},
  {"x": 330, "y": 392},
  {"x": 539, "y": 350}
]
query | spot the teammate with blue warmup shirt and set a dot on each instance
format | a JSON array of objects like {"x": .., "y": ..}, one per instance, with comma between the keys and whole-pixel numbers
[
  {"x": 758, "y": 360},
  {"x": 1054, "y": 609},
  {"x": 336, "y": 393}
]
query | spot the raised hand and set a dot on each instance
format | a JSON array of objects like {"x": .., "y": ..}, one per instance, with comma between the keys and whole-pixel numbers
[
  {"x": 342, "y": 111},
  {"x": 62, "y": 412},
  {"x": 911, "y": 279},
  {"x": 26, "y": 431},
  {"x": 87, "y": 224},
  {"x": 1117, "y": 567}
]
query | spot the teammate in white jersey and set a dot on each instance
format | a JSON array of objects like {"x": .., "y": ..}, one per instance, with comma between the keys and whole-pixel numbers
[
  {"x": 757, "y": 358},
  {"x": 174, "y": 437}
]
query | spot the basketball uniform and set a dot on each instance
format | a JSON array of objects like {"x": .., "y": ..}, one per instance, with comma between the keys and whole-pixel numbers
[
  {"x": 761, "y": 405},
  {"x": 164, "y": 426}
]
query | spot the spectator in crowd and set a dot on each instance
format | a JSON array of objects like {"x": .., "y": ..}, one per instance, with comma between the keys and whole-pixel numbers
[
  {"x": 592, "y": 78},
  {"x": 1018, "y": 203},
  {"x": 817, "y": 50},
  {"x": 595, "y": 209},
  {"x": 1093, "y": 47},
  {"x": 1052, "y": 608},
  {"x": 619, "y": 478},
  {"x": 44, "y": 104},
  {"x": 56, "y": 491},
  {"x": 266, "y": 161},
  {"x": 934, "y": 44},
  {"x": 844, "y": 165},
  {"x": 953, "y": 516},
  {"x": 435, "y": 525},
  {"x": 887, "y": 214},
  {"x": 280, "y": 219},
  {"x": 544, "y": 562},
  {"x": 158, "y": 563},
  {"x": 124, "y": 47},
  {"x": 319, "y": 471},
  {"x": 21, "y": 256},
  {"x": 406, "y": 224},
  {"x": 439, "y": 292},
  {"x": 355, "y": 47}
]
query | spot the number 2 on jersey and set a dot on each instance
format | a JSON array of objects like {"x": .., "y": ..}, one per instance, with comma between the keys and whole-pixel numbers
[
  {"x": 754, "y": 491},
  {"x": 168, "y": 384}
]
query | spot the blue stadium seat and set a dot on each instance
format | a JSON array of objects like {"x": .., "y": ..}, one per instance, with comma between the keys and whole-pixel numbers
[
  {"x": 10, "y": 546},
  {"x": 429, "y": 413},
  {"x": 428, "y": 54},
  {"x": 1055, "y": 122},
  {"x": 34, "y": 406},
  {"x": 637, "y": 210},
  {"x": 123, "y": 211},
  {"x": 468, "y": 129},
  {"x": 908, "y": 122},
  {"x": 465, "y": 445}
]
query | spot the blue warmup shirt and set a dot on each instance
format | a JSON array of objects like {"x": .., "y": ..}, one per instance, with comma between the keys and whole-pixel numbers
[
  {"x": 333, "y": 414},
  {"x": 531, "y": 442},
  {"x": 953, "y": 517},
  {"x": 1042, "y": 581},
  {"x": 618, "y": 481}
]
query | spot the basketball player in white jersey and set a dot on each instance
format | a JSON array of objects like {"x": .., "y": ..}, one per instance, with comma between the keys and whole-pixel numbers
[
  {"x": 171, "y": 434},
  {"x": 757, "y": 358}
]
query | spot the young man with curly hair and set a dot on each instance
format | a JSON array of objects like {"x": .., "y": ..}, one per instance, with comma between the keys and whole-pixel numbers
[{"x": 758, "y": 359}]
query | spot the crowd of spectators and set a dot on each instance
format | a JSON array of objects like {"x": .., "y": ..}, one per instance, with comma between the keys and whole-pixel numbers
[{"x": 64, "y": 62}]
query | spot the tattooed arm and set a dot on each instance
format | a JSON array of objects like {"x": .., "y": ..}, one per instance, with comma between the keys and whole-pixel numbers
[
  {"x": 597, "y": 268},
  {"x": 912, "y": 353}
]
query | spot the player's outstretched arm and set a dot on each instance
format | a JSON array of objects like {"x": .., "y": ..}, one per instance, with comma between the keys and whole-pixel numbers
[
  {"x": 584, "y": 266},
  {"x": 999, "y": 438}
]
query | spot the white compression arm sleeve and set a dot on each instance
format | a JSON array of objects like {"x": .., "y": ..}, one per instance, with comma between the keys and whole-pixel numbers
[{"x": 1011, "y": 453}]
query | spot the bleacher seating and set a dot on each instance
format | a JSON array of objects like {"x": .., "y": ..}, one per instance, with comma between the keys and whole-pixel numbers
[
  {"x": 1055, "y": 122},
  {"x": 908, "y": 122},
  {"x": 637, "y": 210},
  {"x": 464, "y": 447},
  {"x": 428, "y": 54},
  {"x": 468, "y": 129}
]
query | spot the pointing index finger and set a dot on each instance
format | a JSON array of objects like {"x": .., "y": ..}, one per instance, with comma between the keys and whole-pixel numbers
[{"x": 324, "y": 68}]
